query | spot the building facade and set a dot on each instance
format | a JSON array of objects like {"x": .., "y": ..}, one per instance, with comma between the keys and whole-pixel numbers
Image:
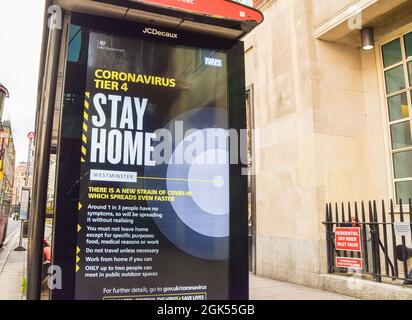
[
  {"x": 7, "y": 164},
  {"x": 332, "y": 122},
  {"x": 20, "y": 177},
  {"x": 4, "y": 93}
]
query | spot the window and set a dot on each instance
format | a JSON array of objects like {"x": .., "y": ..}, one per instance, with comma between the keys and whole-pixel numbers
[{"x": 397, "y": 63}]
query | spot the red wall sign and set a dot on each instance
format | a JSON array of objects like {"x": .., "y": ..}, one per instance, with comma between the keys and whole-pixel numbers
[
  {"x": 213, "y": 8},
  {"x": 348, "y": 239},
  {"x": 349, "y": 263},
  {"x": 30, "y": 135}
]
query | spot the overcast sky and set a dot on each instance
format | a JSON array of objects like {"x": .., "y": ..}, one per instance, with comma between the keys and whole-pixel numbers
[{"x": 21, "y": 24}]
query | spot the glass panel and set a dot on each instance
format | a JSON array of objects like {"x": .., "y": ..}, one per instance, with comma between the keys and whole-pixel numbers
[
  {"x": 392, "y": 53},
  {"x": 402, "y": 163},
  {"x": 410, "y": 73},
  {"x": 408, "y": 44},
  {"x": 395, "y": 79},
  {"x": 403, "y": 191},
  {"x": 75, "y": 43},
  {"x": 401, "y": 135},
  {"x": 398, "y": 107}
]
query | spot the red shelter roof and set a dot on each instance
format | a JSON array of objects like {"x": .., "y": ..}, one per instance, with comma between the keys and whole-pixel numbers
[
  {"x": 222, "y": 18},
  {"x": 224, "y": 9}
]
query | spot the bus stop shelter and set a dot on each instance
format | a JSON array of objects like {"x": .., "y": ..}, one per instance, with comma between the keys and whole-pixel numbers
[{"x": 212, "y": 30}]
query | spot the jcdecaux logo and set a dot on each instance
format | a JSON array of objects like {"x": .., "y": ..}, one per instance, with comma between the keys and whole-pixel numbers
[{"x": 155, "y": 32}]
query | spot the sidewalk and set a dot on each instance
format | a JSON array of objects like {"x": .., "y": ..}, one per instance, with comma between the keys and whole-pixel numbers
[
  {"x": 12, "y": 268},
  {"x": 12, "y": 272},
  {"x": 266, "y": 289}
]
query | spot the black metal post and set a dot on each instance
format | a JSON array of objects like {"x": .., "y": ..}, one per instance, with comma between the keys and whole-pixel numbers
[
  {"x": 350, "y": 220},
  {"x": 377, "y": 242},
  {"x": 395, "y": 257},
  {"x": 343, "y": 253},
  {"x": 338, "y": 253},
  {"x": 404, "y": 253},
  {"x": 410, "y": 223},
  {"x": 44, "y": 126},
  {"x": 329, "y": 237},
  {"x": 385, "y": 239},
  {"x": 373, "y": 239},
  {"x": 358, "y": 254},
  {"x": 364, "y": 237},
  {"x": 410, "y": 215},
  {"x": 20, "y": 246}
]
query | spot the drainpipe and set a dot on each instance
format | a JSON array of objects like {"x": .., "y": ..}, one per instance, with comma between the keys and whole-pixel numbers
[{"x": 44, "y": 127}]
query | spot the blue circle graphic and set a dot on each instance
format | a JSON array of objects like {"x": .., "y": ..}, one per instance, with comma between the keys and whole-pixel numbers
[{"x": 196, "y": 224}]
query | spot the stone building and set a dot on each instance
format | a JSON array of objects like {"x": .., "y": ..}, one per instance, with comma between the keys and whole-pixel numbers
[
  {"x": 20, "y": 176},
  {"x": 4, "y": 93},
  {"x": 332, "y": 120},
  {"x": 7, "y": 163}
]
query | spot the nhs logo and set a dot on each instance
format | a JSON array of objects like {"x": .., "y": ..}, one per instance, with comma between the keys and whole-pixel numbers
[{"x": 218, "y": 63}]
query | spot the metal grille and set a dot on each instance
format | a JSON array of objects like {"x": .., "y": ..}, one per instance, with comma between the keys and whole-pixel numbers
[{"x": 385, "y": 239}]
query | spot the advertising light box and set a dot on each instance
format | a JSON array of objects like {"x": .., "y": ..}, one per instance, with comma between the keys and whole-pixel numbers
[{"x": 157, "y": 209}]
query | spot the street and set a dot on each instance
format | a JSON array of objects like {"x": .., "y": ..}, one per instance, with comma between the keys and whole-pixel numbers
[
  {"x": 12, "y": 266},
  {"x": 11, "y": 227}
]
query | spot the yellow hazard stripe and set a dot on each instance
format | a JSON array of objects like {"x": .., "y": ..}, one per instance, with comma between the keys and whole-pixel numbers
[{"x": 85, "y": 127}]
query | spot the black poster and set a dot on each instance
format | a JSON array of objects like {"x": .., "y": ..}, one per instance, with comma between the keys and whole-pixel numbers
[{"x": 153, "y": 212}]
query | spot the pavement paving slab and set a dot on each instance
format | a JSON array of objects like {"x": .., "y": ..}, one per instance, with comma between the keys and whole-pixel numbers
[
  {"x": 12, "y": 269},
  {"x": 267, "y": 289},
  {"x": 12, "y": 227}
]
